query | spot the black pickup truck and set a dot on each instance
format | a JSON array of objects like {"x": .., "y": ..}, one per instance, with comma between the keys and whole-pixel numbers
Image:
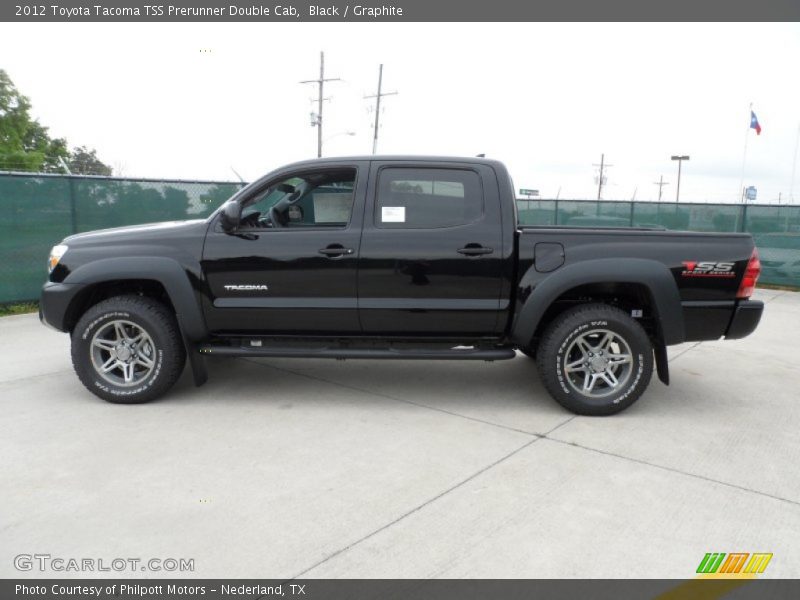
[{"x": 394, "y": 257}]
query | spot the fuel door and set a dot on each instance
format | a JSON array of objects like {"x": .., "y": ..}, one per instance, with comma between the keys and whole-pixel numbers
[{"x": 548, "y": 256}]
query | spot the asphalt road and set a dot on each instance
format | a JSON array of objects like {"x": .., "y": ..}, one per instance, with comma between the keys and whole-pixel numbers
[{"x": 285, "y": 468}]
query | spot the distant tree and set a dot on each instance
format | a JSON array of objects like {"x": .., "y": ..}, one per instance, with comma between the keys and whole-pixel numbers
[
  {"x": 25, "y": 144},
  {"x": 128, "y": 203},
  {"x": 84, "y": 161},
  {"x": 216, "y": 195},
  {"x": 37, "y": 141}
]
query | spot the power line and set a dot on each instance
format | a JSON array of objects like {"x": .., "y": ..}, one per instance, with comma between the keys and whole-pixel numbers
[
  {"x": 316, "y": 120},
  {"x": 378, "y": 97}
]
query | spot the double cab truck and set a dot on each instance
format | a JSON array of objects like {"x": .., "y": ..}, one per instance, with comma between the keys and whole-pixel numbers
[{"x": 394, "y": 257}]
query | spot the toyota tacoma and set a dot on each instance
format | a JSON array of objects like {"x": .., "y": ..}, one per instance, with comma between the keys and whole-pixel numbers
[{"x": 394, "y": 257}]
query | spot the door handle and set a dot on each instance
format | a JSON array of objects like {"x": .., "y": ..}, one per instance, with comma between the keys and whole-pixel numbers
[
  {"x": 335, "y": 251},
  {"x": 475, "y": 250}
]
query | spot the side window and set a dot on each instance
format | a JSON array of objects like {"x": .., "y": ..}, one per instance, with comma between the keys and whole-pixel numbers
[
  {"x": 329, "y": 205},
  {"x": 312, "y": 199},
  {"x": 412, "y": 198}
]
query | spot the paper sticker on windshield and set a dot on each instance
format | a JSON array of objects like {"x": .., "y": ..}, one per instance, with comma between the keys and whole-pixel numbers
[{"x": 393, "y": 214}]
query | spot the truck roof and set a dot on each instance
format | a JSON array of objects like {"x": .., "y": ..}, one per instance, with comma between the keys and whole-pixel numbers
[{"x": 399, "y": 158}]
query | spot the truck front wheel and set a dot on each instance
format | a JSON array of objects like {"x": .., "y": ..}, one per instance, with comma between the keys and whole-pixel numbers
[
  {"x": 128, "y": 349},
  {"x": 595, "y": 360}
]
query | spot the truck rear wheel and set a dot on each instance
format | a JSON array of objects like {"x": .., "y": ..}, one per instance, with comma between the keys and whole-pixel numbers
[
  {"x": 128, "y": 349},
  {"x": 595, "y": 360}
]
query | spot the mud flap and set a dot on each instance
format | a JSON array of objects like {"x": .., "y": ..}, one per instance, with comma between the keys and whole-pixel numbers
[
  {"x": 198, "y": 363},
  {"x": 662, "y": 364}
]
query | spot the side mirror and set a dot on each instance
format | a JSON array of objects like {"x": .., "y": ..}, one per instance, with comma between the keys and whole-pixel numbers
[{"x": 229, "y": 216}]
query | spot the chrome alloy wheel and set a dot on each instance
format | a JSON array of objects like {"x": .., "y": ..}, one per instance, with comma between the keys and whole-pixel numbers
[
  {"x": 123, "y": 353},
  {"x": 598, "y": 363}
]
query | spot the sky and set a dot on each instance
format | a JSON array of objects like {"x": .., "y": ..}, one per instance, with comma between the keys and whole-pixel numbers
[{"x": 200, "y": 101}]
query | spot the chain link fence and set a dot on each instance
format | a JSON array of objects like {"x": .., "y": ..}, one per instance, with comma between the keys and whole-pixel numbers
[
  {"x": 775, "y": 228},
  {"x": 38, "y": 211}
]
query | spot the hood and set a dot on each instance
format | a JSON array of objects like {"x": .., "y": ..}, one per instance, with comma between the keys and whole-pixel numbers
[{"x": 148, "y": 231}]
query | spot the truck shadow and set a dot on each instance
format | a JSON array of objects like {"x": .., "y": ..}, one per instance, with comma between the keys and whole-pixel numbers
[{"x": 447, "y": 385}]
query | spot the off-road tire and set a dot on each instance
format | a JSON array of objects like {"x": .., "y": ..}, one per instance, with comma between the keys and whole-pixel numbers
[
  {"x": 167, "y": 350},
  {"x": 559, "y": 338}
]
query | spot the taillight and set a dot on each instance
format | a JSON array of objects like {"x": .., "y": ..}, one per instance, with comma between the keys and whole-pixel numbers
[{"x": 751, "y": 273}]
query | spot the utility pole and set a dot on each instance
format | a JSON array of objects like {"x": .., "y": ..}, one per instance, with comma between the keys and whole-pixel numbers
[
  {"x": 316, "y": 120},
  {"x": 794, "y": 165},
  {"x": 603, "y": 166},
  {"x": 660, "y": 183},
  {"x": 378, "y": 97}
]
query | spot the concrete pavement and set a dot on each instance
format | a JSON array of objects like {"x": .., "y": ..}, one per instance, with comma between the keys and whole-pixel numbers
[{"x": 283, "y": 468}]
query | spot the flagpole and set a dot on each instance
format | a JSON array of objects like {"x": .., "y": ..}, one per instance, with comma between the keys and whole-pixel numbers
[{"x": 744, "y": 154}]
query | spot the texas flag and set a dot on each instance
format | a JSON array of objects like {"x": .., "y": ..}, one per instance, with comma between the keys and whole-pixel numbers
[{"x": 754, "y": 123}]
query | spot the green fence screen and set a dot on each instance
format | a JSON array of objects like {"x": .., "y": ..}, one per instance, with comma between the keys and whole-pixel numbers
[
  {"x": 775, "y": 228},
  {"x": 38, "y": 211}
]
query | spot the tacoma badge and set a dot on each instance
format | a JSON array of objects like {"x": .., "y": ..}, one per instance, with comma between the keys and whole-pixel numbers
[{"x": 246, "y": 288}]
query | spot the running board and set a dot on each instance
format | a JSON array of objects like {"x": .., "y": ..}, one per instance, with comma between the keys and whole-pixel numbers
[{"x": 342, "y": 353}]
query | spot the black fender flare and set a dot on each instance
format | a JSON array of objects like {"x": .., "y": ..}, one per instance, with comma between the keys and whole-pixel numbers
[
  {"x": 653, "y": 275},
  {"x": 166, "y": 271}
]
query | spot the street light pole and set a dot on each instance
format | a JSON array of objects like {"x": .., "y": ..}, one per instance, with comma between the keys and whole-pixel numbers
[{"x": 680, "y": 158}]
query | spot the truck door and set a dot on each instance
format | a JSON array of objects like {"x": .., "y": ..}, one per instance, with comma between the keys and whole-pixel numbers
[
  {"x": 290, "y": 267},
  {"x": 431, "y": 250}
]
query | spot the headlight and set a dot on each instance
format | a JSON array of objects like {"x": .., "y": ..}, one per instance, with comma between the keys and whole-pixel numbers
[{"x": 55, "y": 255}]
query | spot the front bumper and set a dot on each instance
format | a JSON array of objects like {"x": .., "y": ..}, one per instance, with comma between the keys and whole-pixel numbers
[
  {"x": 745, "y": 319},
  {"x": 55, "y": 303}
]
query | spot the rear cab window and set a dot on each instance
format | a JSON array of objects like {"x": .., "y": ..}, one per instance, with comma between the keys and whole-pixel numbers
[{"x": 420, "y": 198}]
